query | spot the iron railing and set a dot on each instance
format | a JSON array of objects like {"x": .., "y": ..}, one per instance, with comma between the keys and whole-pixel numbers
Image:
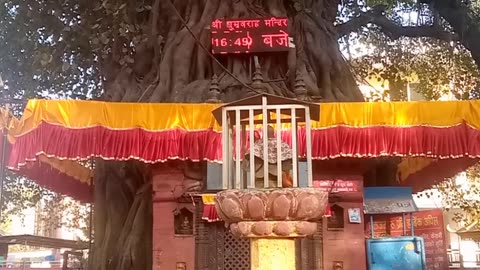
[
  {"x": 20, "y": 265},
  {"x": 238, "y": 124},
  {"x": 456, "y": 261},
  {"x": 52, "y": 265}
]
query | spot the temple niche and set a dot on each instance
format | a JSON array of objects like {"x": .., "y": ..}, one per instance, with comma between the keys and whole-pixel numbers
[
  {"x": 183, "y": 222},
  {"x": 337, "y": 219},
  {"x": 262, "y": 147}
]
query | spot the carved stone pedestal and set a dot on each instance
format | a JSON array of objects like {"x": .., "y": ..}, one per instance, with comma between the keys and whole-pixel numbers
[{"x": 272, "y": 219}]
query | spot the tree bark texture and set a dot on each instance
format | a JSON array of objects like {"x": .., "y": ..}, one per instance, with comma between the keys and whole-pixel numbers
[
  {"x": 122, "y": 217},
  {"x": 170, "y": 66}
]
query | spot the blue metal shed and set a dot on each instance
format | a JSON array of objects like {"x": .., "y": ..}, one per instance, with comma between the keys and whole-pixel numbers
[{"x": 403, "y": 253}]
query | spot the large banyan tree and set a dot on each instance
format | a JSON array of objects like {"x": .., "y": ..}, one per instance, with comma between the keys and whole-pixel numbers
[{"x": 159, "y": 51}]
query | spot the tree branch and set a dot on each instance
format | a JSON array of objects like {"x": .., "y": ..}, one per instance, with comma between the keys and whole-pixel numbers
[
  {"x": 391, "y": 29},
  {"x": 462, "y": 20}
]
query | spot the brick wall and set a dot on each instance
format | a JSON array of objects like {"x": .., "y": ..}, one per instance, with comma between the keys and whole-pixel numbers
[
  {"x": 345, "y": 245},
  {"x": 168, "y": 249}
]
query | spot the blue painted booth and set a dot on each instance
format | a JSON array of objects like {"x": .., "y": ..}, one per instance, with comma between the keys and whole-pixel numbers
[{"x": 388, "y": 253}]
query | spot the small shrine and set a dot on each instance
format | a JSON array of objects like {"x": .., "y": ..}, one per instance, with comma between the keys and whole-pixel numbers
[
  {"x": 261, "y": 145},
  {"x": 183, "y": 220},
  {"x": 390, "y": 252},
  {"x": 271, "y": 174}
]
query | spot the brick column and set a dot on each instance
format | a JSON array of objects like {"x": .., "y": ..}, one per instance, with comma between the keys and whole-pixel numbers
[{"x": 168, "y": 249}]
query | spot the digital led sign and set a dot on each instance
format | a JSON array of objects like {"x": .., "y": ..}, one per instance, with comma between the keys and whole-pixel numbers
[{"x": 249, "y": 35}]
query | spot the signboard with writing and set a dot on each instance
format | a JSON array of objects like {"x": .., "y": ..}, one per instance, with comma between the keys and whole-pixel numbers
[
  {"x": 249, "y": 35},
  {"x": 338, "y": 185},
  {"x": 388, "y": 200},
  {"x": 427, "y": 224},
  {"x": 389, "y": 206}
]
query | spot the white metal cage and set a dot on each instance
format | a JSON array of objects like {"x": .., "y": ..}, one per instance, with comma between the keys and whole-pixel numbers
[{"x": 263, "y": 115}]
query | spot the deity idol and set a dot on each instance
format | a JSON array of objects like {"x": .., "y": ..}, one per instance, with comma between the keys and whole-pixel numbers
[{"x": 285, "y": 157}]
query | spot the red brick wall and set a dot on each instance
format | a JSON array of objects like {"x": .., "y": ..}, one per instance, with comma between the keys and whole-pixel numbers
[
  {"x": 347, "y": 245},
  {"x": 169, "y": 249}
]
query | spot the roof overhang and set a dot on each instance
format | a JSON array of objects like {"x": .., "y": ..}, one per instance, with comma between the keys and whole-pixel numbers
[
  {"x": 41, "y": 241},
  {"x": 271, "y": 100},
  {"x": 54, "y": 138}
]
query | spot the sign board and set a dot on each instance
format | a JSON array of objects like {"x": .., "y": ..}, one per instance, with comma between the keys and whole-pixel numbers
[
  {"x": 338, "y": 185},
  {"x": 388, "y": 200},
  {"x": 383, "y": 206},
  {"x": 249, "y": 35},
  {"x": 427, "y": 224},
  {"x": 354, "y": 215}
]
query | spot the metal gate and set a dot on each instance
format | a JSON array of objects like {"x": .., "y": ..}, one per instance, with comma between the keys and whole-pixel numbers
[
  {"x": 236, "y": 252},
  {"x": 217, "y": 249},
  {"x": 73, "y": 260},
  {"x": 310, "y": 251}
]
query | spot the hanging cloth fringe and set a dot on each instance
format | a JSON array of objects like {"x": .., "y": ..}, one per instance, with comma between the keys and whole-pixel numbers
[{"x": 209, "y": 211}]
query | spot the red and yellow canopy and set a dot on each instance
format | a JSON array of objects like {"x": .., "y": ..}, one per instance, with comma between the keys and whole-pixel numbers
[
  {"x": 436, "y": 139},
  {"x": 64, "y": 176}
]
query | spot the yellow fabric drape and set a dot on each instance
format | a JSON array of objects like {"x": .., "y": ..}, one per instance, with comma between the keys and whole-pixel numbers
[
  {"x": 208, "y": 199},
  {"x": 69, "y": 167},
  {"x": 165, "y": 116},
  {"x": 411, "y": 165},
  {"x": 121, "y": 116},
  {"x": 8, "y": 122}
]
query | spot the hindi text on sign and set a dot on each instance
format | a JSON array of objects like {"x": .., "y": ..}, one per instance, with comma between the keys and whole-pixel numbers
[
  {"x": 249, "y": 35},
  {"x": 427, "y": 224}
]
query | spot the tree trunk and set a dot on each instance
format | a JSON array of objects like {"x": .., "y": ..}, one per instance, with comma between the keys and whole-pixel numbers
[
  {"x": 170, "y": 66},
  {"x": 398, "y": 88},
  {"x": 123, "y": 216}
]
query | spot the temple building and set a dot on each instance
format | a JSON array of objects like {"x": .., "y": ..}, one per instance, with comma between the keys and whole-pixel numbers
[{"x": 340, "y": 149}]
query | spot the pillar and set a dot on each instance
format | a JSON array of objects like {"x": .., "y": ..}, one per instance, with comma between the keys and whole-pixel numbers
[
  {"x": 272, "y": 253},
  {"x": 272, "y": 219},
  {"x": 169, "y": 249}
]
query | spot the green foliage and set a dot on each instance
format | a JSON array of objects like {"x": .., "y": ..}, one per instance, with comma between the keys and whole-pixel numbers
[
  {"x": 57, "y": 211},
  {"x": 45, "y": 50},
  {"x": 5, "y": 227},
  {"x": 68, "y": 49},
  {"x": 446, "y": 67},
  {"x": 434, "y": 67},
  {"x": 392, "y": 3},
  {"x": 464, "y": 196},
  {"x": 53, "y": 210},
  {"x": 19, "y": 194}
]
